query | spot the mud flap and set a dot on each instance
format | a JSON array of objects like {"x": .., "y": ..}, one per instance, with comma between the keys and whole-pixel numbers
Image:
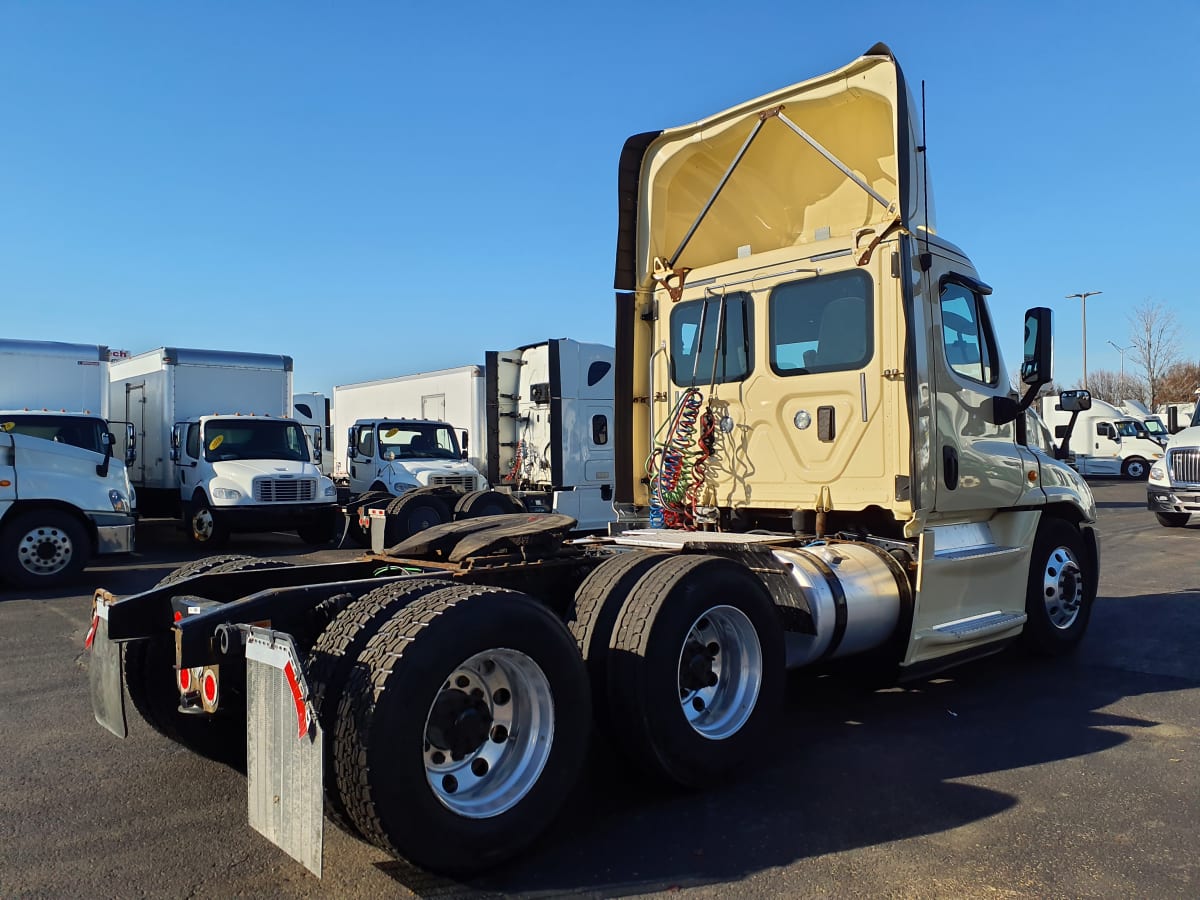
[
  {"x": 284, "y": 750},
  {"x": 104, "y": 675}
]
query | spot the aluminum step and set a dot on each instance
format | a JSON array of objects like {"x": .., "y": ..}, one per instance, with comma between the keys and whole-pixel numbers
[{"x": 972, "y": 629}]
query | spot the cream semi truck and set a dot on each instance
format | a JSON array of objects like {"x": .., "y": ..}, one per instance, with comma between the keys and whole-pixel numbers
[
  {"x": 1173, "y": 491},
  {"x": 819, "y": 462},
  {"x": 63, "y": 497}
]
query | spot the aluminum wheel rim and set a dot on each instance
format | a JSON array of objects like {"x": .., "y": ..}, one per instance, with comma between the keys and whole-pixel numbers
[
  {"x": 1137, "y": 469},
  {"x": 45, "y": 550},
  {"x": 497, "y": 774},
  {"x": 202, "y": 524},
  {"x": 1062, "y": 588},
  {"x": 729, "y": 640}
]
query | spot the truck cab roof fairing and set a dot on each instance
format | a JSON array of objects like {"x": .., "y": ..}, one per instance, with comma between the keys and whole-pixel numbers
[{"x": 781, "y": 191}]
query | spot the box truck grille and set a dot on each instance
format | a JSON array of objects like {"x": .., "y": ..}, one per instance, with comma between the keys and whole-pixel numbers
[
  {"x": 284, "y": 490},
  {"x": 462, "y": 482},
  {"x": 1185, "y": 465}
]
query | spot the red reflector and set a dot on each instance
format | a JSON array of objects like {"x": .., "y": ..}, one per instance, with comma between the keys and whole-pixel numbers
[
  {"x": 185, "y": 680},
  {"x": 178, "y": 616},
  {"x": 301, "y": 710},
  {"x": 210, "y": 687},
  {"x": 91, "y": 635}
]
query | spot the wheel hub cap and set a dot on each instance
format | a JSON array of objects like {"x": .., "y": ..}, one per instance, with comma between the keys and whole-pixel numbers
[
  {"x": 720, "y": 672},
  {"x": 1062, "y": 588},
  {"x": 44, "y": 551}
]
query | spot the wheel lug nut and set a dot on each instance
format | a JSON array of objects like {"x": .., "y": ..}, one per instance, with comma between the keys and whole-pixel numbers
[
  {"x": 476, "y": 692},
  {"x": 712, "y": 679},
  {"x": 698, "y": 704},
  {"x": 713, "y": 648},
  {"x": 437, "y": 757},
  {"x": 479, "y": 767},
  {"x": 501, "y": 697},
  {"x": 499, "y": 734},
  {"x": 462, "y": 681}
]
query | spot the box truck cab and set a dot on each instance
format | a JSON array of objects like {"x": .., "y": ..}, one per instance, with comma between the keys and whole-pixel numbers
[
  {"x": 250, "y": 473},
  {"x": 1173, "y": 490},
  {"x": 63, "y": 498},
  {"x": 313, "y": 413},
  {"x": 1105, "y": 441},
  {"x": 398, "y": 455}
]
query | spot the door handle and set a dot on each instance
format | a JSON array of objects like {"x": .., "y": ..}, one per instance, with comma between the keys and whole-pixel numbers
[{"x": 950, "y": 467}]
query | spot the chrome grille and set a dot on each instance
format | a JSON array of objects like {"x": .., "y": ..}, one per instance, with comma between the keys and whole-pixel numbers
[
  {"x": 462, "y": 482},
  {"x": 284, "y": 490},
  {"x": 1185, "y": 465}
]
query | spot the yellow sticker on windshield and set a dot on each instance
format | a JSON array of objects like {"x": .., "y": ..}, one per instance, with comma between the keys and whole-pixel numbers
[
  {"x": 391, "y": 432},
  {"x": 216, "y": 442},
  {"x": 9, "y": 426}
]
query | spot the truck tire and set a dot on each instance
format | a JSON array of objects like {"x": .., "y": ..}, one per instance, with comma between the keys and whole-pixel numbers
[
  {"x": 337, "y": 649},
  {"x": 43, "y": 547},
  {"x": 409, "y": 514},
  {"x": 1135, "y": 467},
  {"x": 369, "y": 500},
  {"x": 696, "y": 668},
  {"x": 199, "y": 567},
  {"x": 1172, "y": 520},
  {"x": 1058, "y": 603},
  {"x": 462, "y": 728},
  {"x": 203, "y": 526},
  {"x": 592, "y": 617},
  {"x": 486, "y": 503}
]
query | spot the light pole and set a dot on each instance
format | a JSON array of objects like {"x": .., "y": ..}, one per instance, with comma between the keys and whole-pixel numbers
[
  {"x": 1083, "y": 302},
  {"x": 1122, "y": 350}
]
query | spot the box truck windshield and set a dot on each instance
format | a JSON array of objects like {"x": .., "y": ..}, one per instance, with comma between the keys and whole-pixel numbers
[
  {"x": 78, "y": 431},
  {"x": 410, "y": 440},
  {"x": 228, "y": 439}
]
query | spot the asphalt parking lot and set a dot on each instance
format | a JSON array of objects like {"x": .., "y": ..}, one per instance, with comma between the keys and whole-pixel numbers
[{"x": 1005, "y": 778}]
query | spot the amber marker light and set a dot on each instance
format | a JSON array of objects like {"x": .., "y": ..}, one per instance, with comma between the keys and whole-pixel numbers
[{"x": 1032, "y": 475}]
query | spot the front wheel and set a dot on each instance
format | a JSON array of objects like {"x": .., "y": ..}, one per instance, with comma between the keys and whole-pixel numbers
[
  {"x": 695, "y": 669},
  {"x": 1058, "y": 597},
  {"x": 41, "y": 548},
  {"x": 1172, "y": 520},
  {"x": 1135, "y": 467},
  {"x": 204, "y": 526},
  {"x": 462, "y": 728}
]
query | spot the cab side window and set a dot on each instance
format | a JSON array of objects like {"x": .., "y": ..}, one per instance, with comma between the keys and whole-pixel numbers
[
  {"x": 192, "y": 443},
  {"x": 366, "y": 443},
  {"x": 967, "y": 334}
]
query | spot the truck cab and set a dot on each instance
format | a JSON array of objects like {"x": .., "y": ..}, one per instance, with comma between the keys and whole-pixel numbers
[
  {"x": 398, "y": 455},
  {"x": 1105, "y": 441},
  {"x": 63, "y": 498},
  {"x": 250, "y": 473},
  {"x": 1173, "y": 489}
]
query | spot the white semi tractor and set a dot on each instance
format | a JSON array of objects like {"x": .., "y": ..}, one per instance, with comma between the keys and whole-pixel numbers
[
  {"x": 218, "y": 447},
  {"x": 63, "y": 497},
  {"x": 812, "y": 404},
  {"x": 312, "y": 411},
  {"x": 1173, "y": 491},
  {"x": 1105, "y": 440},
  {"x": 533, "y": 423}
]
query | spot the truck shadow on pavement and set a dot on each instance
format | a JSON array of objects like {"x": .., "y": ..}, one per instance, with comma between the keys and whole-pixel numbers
[{"x": 846, "y": 769}]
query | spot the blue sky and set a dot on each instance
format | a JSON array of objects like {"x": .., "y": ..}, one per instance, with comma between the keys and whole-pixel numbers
[{"x": 383, "y": 188}]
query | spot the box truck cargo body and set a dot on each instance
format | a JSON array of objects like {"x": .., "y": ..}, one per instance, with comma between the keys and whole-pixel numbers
[
  {"x": 54, "y": 376},
  {"x": 218, "y": 446}
]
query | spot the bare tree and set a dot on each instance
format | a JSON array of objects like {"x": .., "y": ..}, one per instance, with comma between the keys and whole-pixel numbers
[
  {"x": 1113, "y": 387},
  {"x": 1180, "y": 383},
  {"x": 1152, "y": 331}
]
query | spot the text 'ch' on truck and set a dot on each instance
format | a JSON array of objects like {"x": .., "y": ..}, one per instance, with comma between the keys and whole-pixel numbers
[
  {"x": 218, "y": 447},
  {"x": 814, "y": 421},
  {"x": 63, "y": 497}
]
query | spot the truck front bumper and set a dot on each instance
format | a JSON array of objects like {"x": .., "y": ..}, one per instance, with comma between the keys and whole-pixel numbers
[
  {"x": 280, "y": 517},
  {"x": 114, "y": 533},
  {"x": 1173, "y": 500}
]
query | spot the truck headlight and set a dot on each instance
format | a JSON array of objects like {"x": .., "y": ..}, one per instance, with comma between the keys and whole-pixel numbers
[
  {"x": 1158, "y": 472},
  {"x": 330, "y": 490},
  {"x": 401, "y": 486},
  {"x": 118, "y": 501},
  {"x": 226, "y": 494}
]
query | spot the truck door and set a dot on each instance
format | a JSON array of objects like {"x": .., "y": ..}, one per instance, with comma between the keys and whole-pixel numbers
[
  {"x": 135, "y": 415},
  {"x": 362, "y": 461},
  {"x": 8, "y": 472},
  {"x": 980, "y": 467}
]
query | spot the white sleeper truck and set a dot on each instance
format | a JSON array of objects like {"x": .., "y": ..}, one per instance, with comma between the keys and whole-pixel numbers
[
  {"x": 818, "y": 462},
  {"x": 63, "y": 497},
  {"x": 1173, "y": 491},
  {"x": 1105, "y": 441},
  {"x": 218, "y": 447}
]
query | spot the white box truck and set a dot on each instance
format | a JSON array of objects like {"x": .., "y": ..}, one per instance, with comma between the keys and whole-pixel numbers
[
  {"x": 535, "y": 419},
  {"x": 1105, "y": 441},
  {"x": 63, "y": 498},
  {"x": 218, "y": 446}
]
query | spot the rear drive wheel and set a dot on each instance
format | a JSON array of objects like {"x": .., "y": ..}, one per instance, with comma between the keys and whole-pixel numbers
[
  {"x": 463, "y": 728},
  {"x": 696, "y": 668},
  {"x": 199, "y": 567},
  {"x": 1172, "y": 520},
  {"x": 335, "y": 652},
  {"x": 204, "y": 526},
  {"x": 486, "y": 503},
  {"x": 1135, "y": 467},
  {"x": 409, "y": 514},
  {"x": 1058, "y": 601},
  {"x": 592, "y": 617},
  {"x": 43, "y": 547}
]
